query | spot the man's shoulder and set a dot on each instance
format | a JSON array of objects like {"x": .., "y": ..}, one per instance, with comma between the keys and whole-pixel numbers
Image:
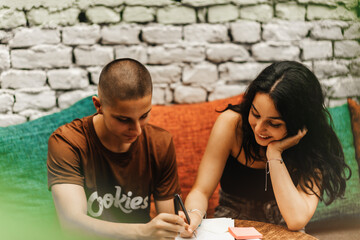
[
  {"x": 74, "y": 130},
  {"x": 157, "y": 134}
]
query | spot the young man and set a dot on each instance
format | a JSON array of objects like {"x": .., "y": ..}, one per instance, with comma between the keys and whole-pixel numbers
[{"x": 102, "y": 169}]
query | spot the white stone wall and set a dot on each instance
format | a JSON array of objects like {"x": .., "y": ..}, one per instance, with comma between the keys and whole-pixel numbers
[{"x": 51, "y": 52}]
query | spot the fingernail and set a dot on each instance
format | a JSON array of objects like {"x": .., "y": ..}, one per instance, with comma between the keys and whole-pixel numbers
[{"x": 190, "y": 230}]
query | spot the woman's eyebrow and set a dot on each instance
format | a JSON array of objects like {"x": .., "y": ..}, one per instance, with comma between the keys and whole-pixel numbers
[{"x": 254, "y": 107}]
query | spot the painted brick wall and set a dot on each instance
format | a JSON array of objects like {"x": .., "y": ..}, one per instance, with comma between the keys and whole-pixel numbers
[{"x": 51, "y": 52}]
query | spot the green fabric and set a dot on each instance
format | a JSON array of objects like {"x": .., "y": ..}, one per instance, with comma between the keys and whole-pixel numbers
[
  {"x": 24, "y": 197},
  {"x": 350, "y": 205}
]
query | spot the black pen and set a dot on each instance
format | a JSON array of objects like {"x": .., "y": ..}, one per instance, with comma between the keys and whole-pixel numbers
[{"x": 178, "y": 203}]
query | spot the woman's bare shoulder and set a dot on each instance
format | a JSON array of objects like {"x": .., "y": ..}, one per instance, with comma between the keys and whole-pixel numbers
[{"x": 230, "y": 117}]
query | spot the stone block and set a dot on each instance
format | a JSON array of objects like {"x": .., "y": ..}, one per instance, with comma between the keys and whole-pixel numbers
[
  {"x": 353, "y": 32},
  {"x": 290, "y": 11},
  {"x": 345, "y": 87},
  {"x": 226, "y": 52},
  {"x": 176, "y": 15},
  {"x": 121, "y": 34},
  {"x": 45, "y": 18},
  {"x": 188, "y": 94},
  {"x": 204, "y": 3},
  {"x": 101, "y": 14},
  {"x": 355, "y": 67},
  {"x": 158, "y": 96},
  {"x": 93, "y": 55},
  {"x": 6, "y": 102},
  {"x": 327, "y": 69},
  {"x": 251, "y": 28},
  {"x": 138, "y": 14},
  {"x": 42, "y": 56},
  {"x": 40, "y": 99},
  {"x": 6, "y": 36},
  {"x": 312, "y": 50},
  {"x": 11, "y": 119},
  {"x": 160, "y": 34},
  {"x": 32, "y": 114},
  {"x": 85, "y": 4},
  {"x": 226, "y": 91},
  {"x": 16, "y": 79},
  {"x": 67, "y": 99},
  {"x": 137, "y": 52},
  {"x": 81, "y": 34},
  {"x": 4, "y": 58},
  {"x": 240, "y": 71},
  {"x": 206, "y": 33},
  {"x": 202, "y": 72},
  {"x": 11, "y": 19},
  {"x": 323, "y": 32},
  {"x": 149, "y": 3},
  {"x": 172, "y": 54},
  {"x": 275, "y": 51},
  {"x": 346, "y": 49},
  {"x": 249, "y": 2},
  {"x": 333, "y": 3},
  {"x": 222, "y": 13},
  {"x": 318, "y": 12},
  {"x": 261, "y": 13},
  {"x": 72, "y": 78},
  {"x": 285, "y": 30},
  {"x": 53, "y": 5},
  {"x": 27, "y": 37},
  {"x": 94, "y": 74},
  {"x": 165, "y": 74}
]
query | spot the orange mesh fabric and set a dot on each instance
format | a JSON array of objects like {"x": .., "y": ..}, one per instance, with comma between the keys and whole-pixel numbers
[
  {"x": 354, "y": 108},
  {"x": 190, "y": 126}
]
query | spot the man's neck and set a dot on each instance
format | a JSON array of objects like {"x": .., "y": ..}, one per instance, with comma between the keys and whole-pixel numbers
[{"x": 107, "y": 139}]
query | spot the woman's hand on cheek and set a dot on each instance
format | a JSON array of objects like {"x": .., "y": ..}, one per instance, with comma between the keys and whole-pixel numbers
[{"x": 281, "y": 145}]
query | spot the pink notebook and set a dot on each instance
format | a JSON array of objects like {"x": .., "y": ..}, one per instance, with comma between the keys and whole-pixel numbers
[{"x": 244, "y": 233}]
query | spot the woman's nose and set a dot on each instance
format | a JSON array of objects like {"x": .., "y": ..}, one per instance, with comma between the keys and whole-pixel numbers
[{"x": 260, "y": 126}]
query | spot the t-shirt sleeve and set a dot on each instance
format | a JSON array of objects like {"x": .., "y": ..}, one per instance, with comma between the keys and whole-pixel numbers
[
  {"x": 63, "y": 162},
  {"x": 168, "y": 183}
]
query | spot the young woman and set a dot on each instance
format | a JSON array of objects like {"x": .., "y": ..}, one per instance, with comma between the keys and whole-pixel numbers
[{"x": 275, "y": 154}]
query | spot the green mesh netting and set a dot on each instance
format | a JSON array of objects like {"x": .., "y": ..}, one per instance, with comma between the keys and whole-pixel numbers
[{"x": 350, "y": 205}]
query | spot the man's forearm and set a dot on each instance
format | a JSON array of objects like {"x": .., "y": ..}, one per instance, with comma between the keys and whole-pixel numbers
[{"x": 86, "y": 225}]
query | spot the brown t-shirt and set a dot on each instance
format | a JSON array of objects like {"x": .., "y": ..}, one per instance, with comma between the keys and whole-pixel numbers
[{"x": 118, "y": 186}]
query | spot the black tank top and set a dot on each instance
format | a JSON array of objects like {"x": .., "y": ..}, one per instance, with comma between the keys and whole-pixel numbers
[{"x": 242, "y": 181}]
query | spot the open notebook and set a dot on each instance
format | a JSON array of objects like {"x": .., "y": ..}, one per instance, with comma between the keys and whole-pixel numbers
[{"x": 213, "y": 229}]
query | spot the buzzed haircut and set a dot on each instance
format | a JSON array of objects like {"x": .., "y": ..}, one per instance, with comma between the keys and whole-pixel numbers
[{"x": 124, "y": 79}]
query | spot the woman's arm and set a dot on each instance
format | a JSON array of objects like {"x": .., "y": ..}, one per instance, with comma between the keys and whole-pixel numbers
[
  {"x": 296, "y": 206},
  {"x": 71, "y": 206},
  {"x": 220, "y": 144}
]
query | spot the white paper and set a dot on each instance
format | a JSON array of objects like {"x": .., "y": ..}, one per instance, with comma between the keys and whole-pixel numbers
[{"x": 213, "y": 229}]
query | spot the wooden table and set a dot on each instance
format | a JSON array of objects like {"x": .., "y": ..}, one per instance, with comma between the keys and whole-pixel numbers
[{"x": 272, "y": 231}]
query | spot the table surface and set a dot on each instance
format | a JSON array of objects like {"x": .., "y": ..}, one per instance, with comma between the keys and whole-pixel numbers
[{"x": 272, "y": 231}]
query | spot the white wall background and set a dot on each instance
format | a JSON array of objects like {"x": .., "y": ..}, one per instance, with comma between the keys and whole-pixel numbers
[{"x": 51, "y": 51}]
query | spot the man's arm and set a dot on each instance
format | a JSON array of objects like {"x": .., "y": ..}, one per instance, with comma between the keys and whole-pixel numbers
[
  {"x": 71, "y": 206},
  {"x": 165, "y": 206}
]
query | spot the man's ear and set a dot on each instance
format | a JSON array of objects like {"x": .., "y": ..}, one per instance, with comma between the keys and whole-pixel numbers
[{"x": 97, "y": 104}]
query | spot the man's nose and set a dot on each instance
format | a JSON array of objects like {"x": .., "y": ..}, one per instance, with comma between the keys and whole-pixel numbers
[{"x": 136, "y": 127}]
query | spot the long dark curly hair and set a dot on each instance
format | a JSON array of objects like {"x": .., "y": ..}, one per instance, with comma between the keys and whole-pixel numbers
[{"x": 298, "y": 97}]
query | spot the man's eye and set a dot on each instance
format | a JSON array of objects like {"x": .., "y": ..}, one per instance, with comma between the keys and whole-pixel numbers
[
  {"x": 122, "y": 120},
  {"x": 144, "y": 116}
]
